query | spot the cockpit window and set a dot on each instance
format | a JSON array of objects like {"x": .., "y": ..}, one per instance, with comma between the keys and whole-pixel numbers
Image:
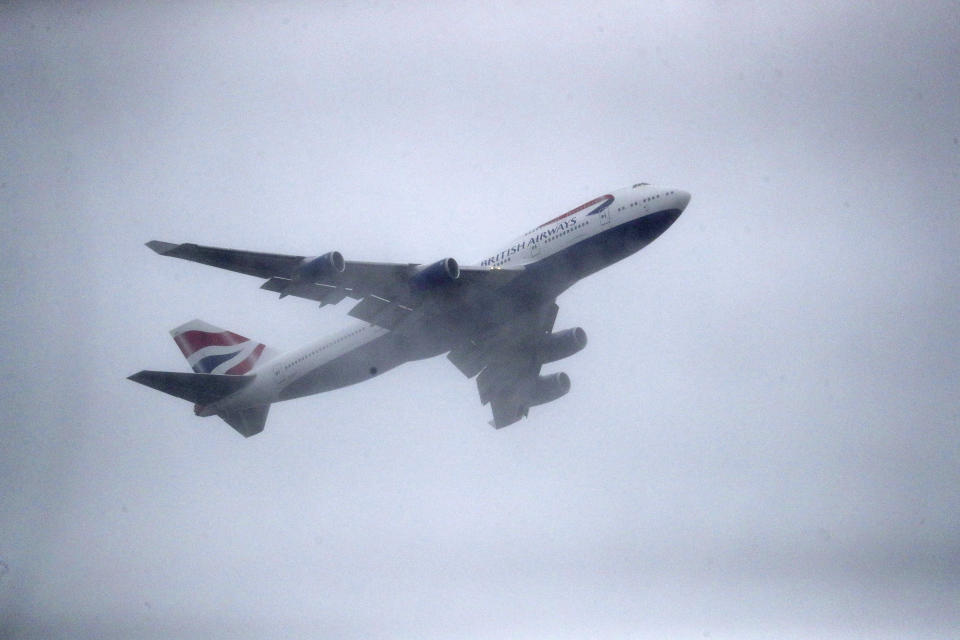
[{"x": 641, "y": 184}]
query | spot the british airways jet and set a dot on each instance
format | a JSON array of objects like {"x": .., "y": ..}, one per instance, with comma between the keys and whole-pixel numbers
[{"x": 494, "y": 320}]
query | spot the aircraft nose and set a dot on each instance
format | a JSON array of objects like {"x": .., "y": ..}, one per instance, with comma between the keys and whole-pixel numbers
[{"x": 683, "y": 199}]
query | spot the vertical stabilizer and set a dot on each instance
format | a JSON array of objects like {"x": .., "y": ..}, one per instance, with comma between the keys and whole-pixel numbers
[{"x": 210, "y": 349}]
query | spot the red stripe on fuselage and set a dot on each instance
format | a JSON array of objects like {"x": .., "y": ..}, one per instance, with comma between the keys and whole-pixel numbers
[
  {"x": 577, "y": 210},
  {"x": 192, "y": 341}
]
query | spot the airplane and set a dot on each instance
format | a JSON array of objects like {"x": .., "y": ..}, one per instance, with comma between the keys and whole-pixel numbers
[{"x": 494, "y": 320}]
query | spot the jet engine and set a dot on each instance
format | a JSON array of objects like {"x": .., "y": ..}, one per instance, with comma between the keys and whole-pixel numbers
[
  {"x": 562, "y": 344},
  {"x": 548, "y": 388},
  {"x": 320, "y": 267},
  {"x": 435, "y": 275}
]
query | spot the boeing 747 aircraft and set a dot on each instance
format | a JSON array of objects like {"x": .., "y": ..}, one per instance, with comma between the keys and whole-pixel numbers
[{"x": 494, "y": 320}]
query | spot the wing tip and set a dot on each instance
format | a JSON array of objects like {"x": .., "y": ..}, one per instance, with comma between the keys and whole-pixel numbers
[{"x": 161, "y": 247}]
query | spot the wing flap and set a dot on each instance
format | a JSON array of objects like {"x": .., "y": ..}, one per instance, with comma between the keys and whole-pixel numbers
[
  {"x": 318, "y": 292},
  {"x": 383, "y": 313},
  {"x": 510, "y": 342},
  {"x": 506, "y": 411},
  {"x": 470, "y": 358},
  {"x": 505, "y": 362}
]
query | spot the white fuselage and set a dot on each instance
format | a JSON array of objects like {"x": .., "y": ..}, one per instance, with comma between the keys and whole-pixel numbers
[
  {"x": 581, "y": 236},
  {"x": 562, "y": 232}
]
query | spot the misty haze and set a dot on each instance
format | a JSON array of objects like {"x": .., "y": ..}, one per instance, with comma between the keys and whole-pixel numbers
[{"x": 761, "y": 439}]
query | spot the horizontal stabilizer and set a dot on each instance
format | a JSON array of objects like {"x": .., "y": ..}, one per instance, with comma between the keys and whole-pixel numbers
[
  {"x": 199, "y": 388},
  {"x": 248, "y": 422}
]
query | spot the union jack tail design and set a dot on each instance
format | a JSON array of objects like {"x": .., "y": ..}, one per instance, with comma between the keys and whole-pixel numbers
[{"x": 210, "y": 349}]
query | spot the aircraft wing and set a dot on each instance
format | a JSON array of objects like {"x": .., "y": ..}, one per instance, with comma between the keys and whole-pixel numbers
[
  {"x": 280, "y": 270},
  {"x": 506, "y": 361},
  {"x": 383, "y": 288},
  {"x": 262, "y": 265}
]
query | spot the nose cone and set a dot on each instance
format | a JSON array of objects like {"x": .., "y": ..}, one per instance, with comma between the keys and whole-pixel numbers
[{"x": 682, "y": 199}]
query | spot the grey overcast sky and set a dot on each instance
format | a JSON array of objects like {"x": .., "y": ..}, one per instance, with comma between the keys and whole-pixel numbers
[{"x": 763, "y": 436}]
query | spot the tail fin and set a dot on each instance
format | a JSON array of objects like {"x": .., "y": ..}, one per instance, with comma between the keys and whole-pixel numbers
[
  {"x": 210, "y": 349},
  {"x": 219, "y": 358}
]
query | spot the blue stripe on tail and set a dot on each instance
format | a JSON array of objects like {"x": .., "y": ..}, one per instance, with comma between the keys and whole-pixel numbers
[{"x": 208, "y": 364}]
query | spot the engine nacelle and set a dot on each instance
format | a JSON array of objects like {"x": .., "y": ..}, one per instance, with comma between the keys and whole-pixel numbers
[
  {"x": 562, "y": 344},
  {"x": 435, "y": 275},
  {"x": 548, "y": 388},
  {"x": 320, "y": 267}
]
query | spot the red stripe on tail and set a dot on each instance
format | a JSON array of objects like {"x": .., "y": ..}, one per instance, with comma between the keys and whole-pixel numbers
[
  {"x": 194, "y": 340},
  {"x": 242, "y": 367}
]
